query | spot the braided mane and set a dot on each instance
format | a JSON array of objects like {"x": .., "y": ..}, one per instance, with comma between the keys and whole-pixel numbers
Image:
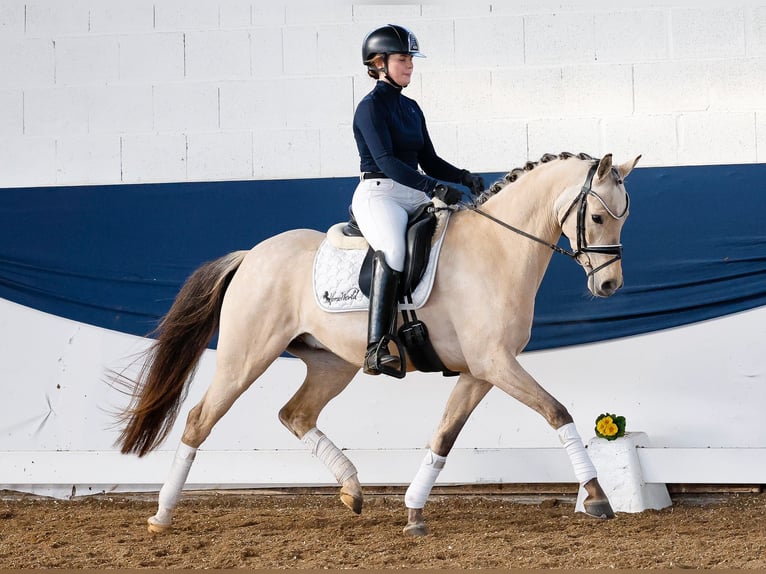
[{"x": 517, "y": 172}]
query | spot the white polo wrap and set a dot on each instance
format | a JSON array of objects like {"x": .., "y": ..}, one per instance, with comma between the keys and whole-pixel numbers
[
  {"x": 578, "y": 456},
  {"x": 333, "y": 458},
  {"x": 420, "y": 487}
]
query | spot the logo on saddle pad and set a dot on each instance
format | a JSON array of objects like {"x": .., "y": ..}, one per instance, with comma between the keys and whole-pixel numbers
[{"x": 336, "y": 271}]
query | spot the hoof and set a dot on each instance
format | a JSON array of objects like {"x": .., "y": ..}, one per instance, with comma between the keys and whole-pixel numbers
[
  {"x": 416, "y": 529},
  {"x": 351, "y": 501},
  {"x": 599, "y": 509},
  {"x": 155, "y": 528}
]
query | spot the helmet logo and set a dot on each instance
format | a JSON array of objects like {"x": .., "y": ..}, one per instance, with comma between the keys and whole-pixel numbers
[{"x": 413, "y": 43}]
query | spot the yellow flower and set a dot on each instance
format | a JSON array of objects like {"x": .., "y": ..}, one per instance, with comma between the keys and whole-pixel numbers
[
  {"x": 611, "y": 430},
  {"x": 604, "y": 424}
]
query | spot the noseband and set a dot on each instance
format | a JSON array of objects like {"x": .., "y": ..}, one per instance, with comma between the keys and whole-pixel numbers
[
  {"x": 582, "y": 246},
  {"x": 581, "y": 201}
]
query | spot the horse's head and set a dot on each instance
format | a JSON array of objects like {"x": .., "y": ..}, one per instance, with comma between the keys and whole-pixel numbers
[{"x": 591, "y": 214}]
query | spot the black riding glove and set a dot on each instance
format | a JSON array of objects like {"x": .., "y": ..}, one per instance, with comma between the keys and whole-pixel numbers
[
  {"x": 472, "y": 181},
  {"x": 447, "y": 194}
]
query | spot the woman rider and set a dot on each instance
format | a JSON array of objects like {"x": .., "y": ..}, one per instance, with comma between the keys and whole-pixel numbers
[{"x": 391, "y": 135}]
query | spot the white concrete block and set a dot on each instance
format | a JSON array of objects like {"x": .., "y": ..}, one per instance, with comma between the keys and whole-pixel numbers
[
  {"x": 55, "y": 111},
  {"x": 152, "y": 57},
  {"x": 120, "y": 109},
  {"x": 737, "y": 84},
  {"x": 598, "y": 90},
  {"x": 528, "y": 92},
  {"x": 489, "y": 42},
  {"x": 437, "y": 42},
  {"x": 444, "y": 137},
  {"x": 630, "y": 37},
  {"x": 266, "y": 52},
  {"x": 339, "y": 49},
  {"x": 12, "y": 18},
  {"x": 300, "y": 50},
  {"x": 492, "y": 146},
  {"x": 153, "y": 158},
  {"x": 302, "y": 13},
  {"x": 26, "y": 63},
  {"x": 27, "y": 161},
  {"x": 716, "y": 138},
  {"x": 712, "y": 32},
  {"x": 286, "y": 103},
  {"x": 236, "y": 14},
  {"x": 559, "y": 38},
  {"x": 556, "y": 135},
  {"x": 755, "y": 31},
  {"x": 87, "y": 160},
  {"x": 760, "y": 139},
  {"x": 117, "y": 17},
  {"x": 380, "y": 14},
  {"x": 666, "y": 87},
  {"x": 65, "y": 17},
  {"x": 620, "y": 475},
  {"x": 219, "y": 156},
  {"x": 87, "y": 60},
  {"x": 457, "y": 10},
  {"x": 218, "y": 55},
  {"x": 289, "y": 153},
  {"x": 186, "y": 107},
  {"x": 11, "y": 113},
  {"x": 652, "y": 136},
  {"x": 268, "y": 14},
  {"x": 186, "y": 15},
  {"x": 452, "y": 101},
  {"x": 338, "y": 156}
]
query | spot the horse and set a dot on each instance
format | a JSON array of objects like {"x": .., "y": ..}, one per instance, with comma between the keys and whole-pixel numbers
[{"x": 262, "y": 307}]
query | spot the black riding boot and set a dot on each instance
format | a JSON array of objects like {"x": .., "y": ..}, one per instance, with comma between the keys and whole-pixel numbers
[{"x": 385, "y": 282}]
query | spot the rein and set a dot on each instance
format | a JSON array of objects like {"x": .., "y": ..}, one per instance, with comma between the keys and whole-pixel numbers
[{"x": 582, "y": 247}]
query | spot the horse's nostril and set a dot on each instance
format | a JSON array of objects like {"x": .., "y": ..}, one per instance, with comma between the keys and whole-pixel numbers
[{"x": 609, "y": 286}]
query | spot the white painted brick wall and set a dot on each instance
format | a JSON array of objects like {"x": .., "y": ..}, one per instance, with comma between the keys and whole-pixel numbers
[
  {"x": 232, "y": 89},
  {"x": 760, "y": 139},
  {"x": 87, "y": 159}
]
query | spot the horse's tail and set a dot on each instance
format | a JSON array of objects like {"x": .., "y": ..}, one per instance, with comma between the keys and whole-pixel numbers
[{"x": 171, "y": 361}]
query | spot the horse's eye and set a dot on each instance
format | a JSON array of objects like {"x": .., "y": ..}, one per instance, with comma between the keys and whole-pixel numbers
[{"x": 597, "y": 219}]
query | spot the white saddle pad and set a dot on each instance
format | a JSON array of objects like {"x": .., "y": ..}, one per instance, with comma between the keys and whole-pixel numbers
[{"x": 336, "y": 277}]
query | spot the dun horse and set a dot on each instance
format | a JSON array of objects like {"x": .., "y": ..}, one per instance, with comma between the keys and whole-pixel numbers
[{"x": 262, "y": 307}]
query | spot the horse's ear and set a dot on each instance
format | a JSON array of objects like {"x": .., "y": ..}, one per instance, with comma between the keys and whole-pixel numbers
[
  {"x": 604, "y": 166},
  {"x": 627, "y": 167}
]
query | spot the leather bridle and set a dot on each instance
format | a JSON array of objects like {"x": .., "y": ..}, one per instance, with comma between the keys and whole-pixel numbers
[{"x": 582, "y": 246}]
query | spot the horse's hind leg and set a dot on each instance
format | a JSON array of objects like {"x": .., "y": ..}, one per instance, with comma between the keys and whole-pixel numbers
[
  {"x": 326, "y": 376},
  {"x": 466, "y": 395},
  {"x": 233, "y": 376}
]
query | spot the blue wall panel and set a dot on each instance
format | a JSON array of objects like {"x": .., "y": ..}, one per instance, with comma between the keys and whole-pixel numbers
[{"x": 115, "y": 256}]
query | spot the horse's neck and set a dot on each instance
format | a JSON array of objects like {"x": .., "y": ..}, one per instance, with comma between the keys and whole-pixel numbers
[{"x": 528, "y": 205}]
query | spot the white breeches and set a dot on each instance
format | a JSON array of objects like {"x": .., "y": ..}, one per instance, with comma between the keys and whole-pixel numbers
[{"x": 381, "y": 208}]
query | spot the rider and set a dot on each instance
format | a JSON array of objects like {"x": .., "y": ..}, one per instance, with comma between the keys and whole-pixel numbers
[{"x": 391, "y": 135}]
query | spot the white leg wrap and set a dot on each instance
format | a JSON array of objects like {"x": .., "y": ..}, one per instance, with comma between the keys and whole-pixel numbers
[
  {"x": 420, "y": 487},
  {"x": 171, "y": 490},
  {"x": 581, "y": 463},
  {"x": 332, "y": 457}
]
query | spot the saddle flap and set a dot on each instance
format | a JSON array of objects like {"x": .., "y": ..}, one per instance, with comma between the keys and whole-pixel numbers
[{"x": 420, "y": 230}]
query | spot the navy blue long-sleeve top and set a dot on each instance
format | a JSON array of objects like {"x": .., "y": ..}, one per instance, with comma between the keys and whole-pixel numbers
[{"x": 391, "y": 135}]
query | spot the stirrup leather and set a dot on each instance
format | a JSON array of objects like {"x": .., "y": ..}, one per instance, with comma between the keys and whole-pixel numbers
[{"x": 379, "y": 361}]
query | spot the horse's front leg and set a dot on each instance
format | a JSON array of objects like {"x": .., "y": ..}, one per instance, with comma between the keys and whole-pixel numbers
[
  {"x": 517, "y": 382},
  {"x": 466, "y": 395}
]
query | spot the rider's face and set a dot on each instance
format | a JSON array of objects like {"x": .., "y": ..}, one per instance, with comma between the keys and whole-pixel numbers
[{"x": 400, "y": 68}]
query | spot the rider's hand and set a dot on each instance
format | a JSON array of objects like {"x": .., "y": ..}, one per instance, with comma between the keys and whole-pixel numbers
[
  {"x": 472, "y": 181},
  {"x": 447, "y": 194}
]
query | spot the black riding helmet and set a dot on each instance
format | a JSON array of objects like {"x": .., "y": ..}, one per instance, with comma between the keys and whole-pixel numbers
[{"x": 390, "y": 39}]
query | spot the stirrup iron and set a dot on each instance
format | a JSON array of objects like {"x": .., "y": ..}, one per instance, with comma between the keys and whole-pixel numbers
[{"x": 379, "y": 361}]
